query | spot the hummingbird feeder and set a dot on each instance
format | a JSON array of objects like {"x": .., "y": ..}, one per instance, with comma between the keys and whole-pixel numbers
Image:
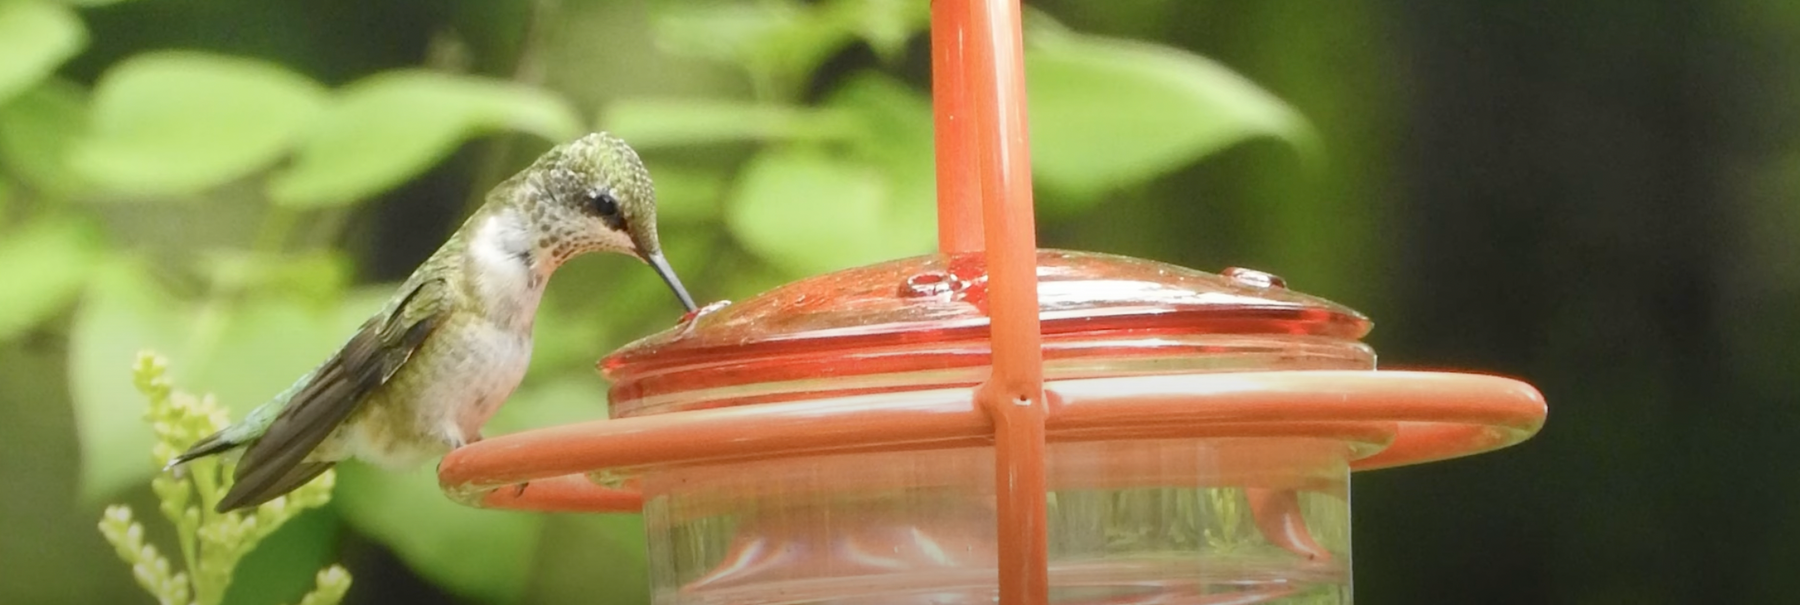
[{"x": 996, "y": 421}]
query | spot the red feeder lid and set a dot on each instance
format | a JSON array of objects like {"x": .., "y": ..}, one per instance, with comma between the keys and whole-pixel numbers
[{"x": 922, "y": 322}]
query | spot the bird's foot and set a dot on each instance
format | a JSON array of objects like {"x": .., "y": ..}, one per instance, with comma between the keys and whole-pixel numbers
[{"x": 456, "y": 440}]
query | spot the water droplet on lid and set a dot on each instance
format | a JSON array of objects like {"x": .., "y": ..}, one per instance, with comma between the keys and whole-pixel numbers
[
  {"x": 931, "y": 283},
  {"x": 1253, "y": 278}
]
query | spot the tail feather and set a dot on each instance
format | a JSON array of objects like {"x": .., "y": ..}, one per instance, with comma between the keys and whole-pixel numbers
[
  {"x": 246, "y": 494},
  {"x": 212, "y": 444}
]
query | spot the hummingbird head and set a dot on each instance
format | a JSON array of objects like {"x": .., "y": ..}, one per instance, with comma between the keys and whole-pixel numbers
[{"x": 594, "y": 195}]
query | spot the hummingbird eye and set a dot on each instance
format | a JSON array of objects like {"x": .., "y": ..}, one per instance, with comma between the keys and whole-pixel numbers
[{"x": 603, "y": 204}]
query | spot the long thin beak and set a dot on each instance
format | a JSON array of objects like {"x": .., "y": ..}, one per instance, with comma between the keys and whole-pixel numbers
[{"x": 667, "y": 274}]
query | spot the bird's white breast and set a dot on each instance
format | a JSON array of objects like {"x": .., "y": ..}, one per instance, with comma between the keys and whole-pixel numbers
[{"x": 502, "y": 272}]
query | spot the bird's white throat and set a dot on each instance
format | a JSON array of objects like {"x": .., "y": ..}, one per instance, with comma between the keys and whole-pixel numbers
[{"x": 504, "y": 270}]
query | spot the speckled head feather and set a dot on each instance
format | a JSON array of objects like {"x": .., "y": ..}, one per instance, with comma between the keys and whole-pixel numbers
[{"x": 591, "y": 194}]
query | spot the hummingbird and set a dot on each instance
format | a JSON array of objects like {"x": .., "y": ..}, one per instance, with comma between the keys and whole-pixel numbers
[{"x": 423, "y": 375}]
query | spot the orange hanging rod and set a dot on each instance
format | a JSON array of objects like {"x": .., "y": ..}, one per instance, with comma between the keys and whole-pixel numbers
[
  {"x": 958, "y": 187},
  {"x": 979, "y": 73}
]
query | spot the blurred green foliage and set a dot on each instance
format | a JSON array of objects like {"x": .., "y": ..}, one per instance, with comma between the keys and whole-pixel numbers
[{"x": 213, "y": 205}]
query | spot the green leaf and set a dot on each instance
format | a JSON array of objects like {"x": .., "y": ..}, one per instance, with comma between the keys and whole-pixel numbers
[
  {"x": 895, "y": 136},
  {"x": 781, "y": 42},
  {"x": 315, "y": 276},
  {"x": 808, "y": 211},
  {"x": 122, "y": 313},
  {"x": 174, "y": 123},
  {"x": 390, "y": 127},
  {"x": 43, "y": 266},
  {"x": 1108, "y": 113},
  {"x": 651, "y": 123},
  {"x": 884, "y": 24},
  {"x": 38, "y": 130},
  {"x": 35, "y": 38},
  {"x": 746, "y": 33},
  {"x": 778, "y": 42},
  {"x": 481, "y": 555},
  {"x": 686, "y": 195}
]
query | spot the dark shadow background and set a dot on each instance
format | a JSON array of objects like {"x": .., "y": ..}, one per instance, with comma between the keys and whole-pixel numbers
[{"x": 1596, "y": 197}]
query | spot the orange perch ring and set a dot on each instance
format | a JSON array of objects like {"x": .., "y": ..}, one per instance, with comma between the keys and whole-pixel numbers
[{"x": 1419, "y": 416}]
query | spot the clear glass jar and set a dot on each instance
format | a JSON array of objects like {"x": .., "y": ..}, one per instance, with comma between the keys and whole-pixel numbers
[{"x": 1158, "y": 521}]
